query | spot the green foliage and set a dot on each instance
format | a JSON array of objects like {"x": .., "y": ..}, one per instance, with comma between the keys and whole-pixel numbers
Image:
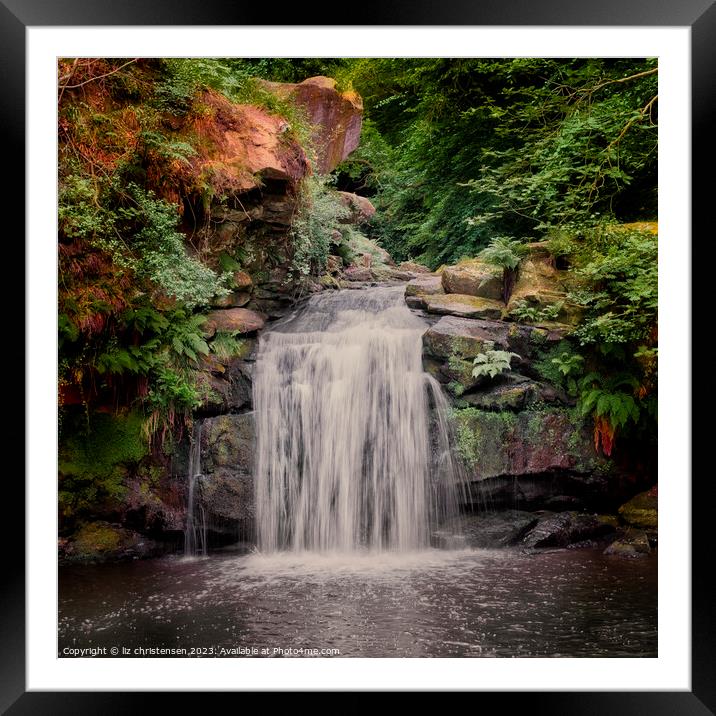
[
  {"x": 226, "y": 345},
  {"x": 619, "y": 269},
  {"x": 525, "y": 313},
  {"x": 606, "y": 397},
  {"x": 503, "y": 252},
  {"x": 316, "y": 227},
  {"x": 492, "y": 363}
]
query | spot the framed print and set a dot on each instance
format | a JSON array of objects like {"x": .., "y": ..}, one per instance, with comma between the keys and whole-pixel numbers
[{"x": 358, "y": 348}]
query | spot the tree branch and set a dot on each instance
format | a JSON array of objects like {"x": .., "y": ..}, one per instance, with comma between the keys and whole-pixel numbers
[{"x": 99, "y": 77}]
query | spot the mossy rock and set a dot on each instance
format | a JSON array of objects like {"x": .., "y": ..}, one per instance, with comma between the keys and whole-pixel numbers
[
  {"x": 228, "y": 441},
  {"x": 642, "y": 511},
  {"x": 633, "y": 545},
  {"x": 493, "y": 444},
  {"x": 94, "y": 464},
  {"x": 100, "y": 541}
]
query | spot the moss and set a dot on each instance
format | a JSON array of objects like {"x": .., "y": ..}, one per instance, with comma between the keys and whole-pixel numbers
[
  {"x": 477, "y": 429},
  {"x": 96, "y": 538},
  {"x": 93, "y": 465}
]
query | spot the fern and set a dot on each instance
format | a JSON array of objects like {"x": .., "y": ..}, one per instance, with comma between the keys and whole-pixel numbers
[
  {"x": 225, "y": 345},
  {"x": 492, "y": 363},
  {"x": 532, "y": 314},
  {"x": 503, "y": 252}
]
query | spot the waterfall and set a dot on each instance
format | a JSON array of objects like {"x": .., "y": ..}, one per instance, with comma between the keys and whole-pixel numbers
[
  {"x": 195, "y": 529},
  {"x": 352, "y": 442}
]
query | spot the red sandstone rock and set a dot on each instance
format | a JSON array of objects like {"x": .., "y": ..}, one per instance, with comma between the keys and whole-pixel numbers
[{"x": 336, "y": 116}]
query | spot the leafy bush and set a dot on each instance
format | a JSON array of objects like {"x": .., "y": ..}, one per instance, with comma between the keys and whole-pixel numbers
[{"x": 316, "y": 227}]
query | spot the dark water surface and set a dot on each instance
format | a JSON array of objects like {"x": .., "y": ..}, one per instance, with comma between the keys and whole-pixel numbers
[{"x": 568, "y": 603}]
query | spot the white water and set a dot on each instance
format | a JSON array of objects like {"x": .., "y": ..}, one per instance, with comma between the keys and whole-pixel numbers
[
  {"x": 195, "y": 528},
  {"x": 352, "y": 438}
]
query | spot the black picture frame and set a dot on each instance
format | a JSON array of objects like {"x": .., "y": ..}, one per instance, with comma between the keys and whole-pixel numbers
[{"x": 699, "y": 15}]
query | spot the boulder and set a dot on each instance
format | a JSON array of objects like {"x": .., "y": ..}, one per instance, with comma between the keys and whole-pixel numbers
[
  {"x": 463, "y": 306},
  {"x": 233, "y": 320},
  {"x": 334, "y": 264},
  {"x": 242, "y": 281},
  {"x": 358, "y": 273},
  {"x": 102, "y": 541},
  {"x": 492, "y": 529},
  {"x": 234, "y": 299},
  {"x": 454, "y": 336},
  {"x": 413, "y": 267},
  {"x": 473, "y": 278},
  {"x": 227, "y": 497},
  {"x": 633, "y": 545},
  {"x": 424, "y": 285},
  {"x": 540, "y": 285},
  {"x": 361, "y": 208},
  {"x": 565, "y": 528},
  {"x": 336, "y": 117},
  {"x": 642, "y": 511},
  {"x": 226, "y": 484}
]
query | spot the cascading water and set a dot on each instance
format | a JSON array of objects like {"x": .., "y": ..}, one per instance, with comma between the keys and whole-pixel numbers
[
  {"x": 352, "y": 442},
  {"x": 195, "y": 529}
]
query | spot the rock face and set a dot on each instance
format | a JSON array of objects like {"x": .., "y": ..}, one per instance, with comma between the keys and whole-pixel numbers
[
  {"x": 234, "y": 320},
  {"x": 530, "y": 442},
  {"x": 473, "y": 278},
  {"x": 226, "y": 486},
  {"x": 336, "y": 116},
  {"x": 243, "y": 144}
]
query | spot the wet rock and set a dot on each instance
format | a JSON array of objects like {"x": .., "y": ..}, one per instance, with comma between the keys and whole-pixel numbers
[
  {"x": 564, "y": 528},
  {"x": 227, "y": 458},
  {"x": 642, "y": 511},
  {"x": 494, "y": 529},
  {"x": 227, "y": 497},
  {"x": 228, "y": 441},
  {"x": 463, "y": 306},
  {"x": 417, "y": 302},
  {"x": 633, "y": 545},
  {"x": 473, "y": 278}
]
